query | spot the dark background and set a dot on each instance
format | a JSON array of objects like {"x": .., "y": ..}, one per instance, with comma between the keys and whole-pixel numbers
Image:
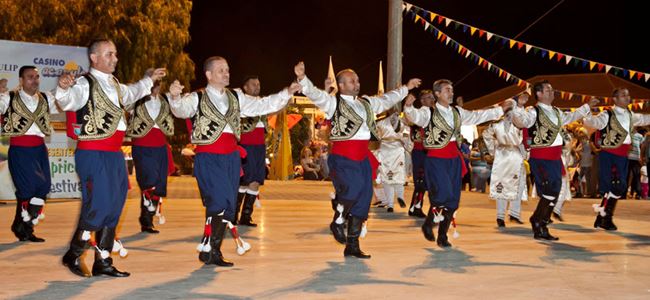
[{"x": 267, "y": 38}]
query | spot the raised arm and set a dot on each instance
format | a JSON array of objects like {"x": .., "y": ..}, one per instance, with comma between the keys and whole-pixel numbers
[
  {"x": 182, "y": 107},
  {"x": 72, "y": 94},
  {"x": 253, "y": 106},
  {"x": 419, "y": 117},
  {"x": 474, "y": 117},
  {"x": 384, "y": 102}
]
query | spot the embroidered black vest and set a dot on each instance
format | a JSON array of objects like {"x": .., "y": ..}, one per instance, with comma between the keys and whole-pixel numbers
[
  {"x": 18, "y": 118},
  {"x": 417, "y": 136},
  {"x": 208, "y": 123},
  {"x": 544, "y": 132},
  {"x": 613, "y": 135},
  {"x": 249, "y": 124},
  {"x": 346, "y": 122},
  {"x": 141, "y": 122},
  {"x": 438, "y": 133},
  {"x": 100, "y": 117}
]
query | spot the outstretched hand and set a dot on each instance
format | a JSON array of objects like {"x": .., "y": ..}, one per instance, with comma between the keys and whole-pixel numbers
[
  {"x": 175, "y": 89},
  {"x": 413, "y": 83},
  {"x": 299, "y": 69},
  {"x": 158, "y": 74},
  {"x": 409, "y": 100},
  {"x": 294, "y": 87},
  {"x": 66, "y": 80}
]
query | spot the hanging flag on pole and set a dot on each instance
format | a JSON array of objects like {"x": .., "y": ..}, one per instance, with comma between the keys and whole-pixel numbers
[
  {"x": 380, "y": 85},
  {"x": 332, "y": 89}
]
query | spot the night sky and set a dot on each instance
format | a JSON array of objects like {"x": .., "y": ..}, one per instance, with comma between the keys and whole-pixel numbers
[{"x": 266, "y": 38}]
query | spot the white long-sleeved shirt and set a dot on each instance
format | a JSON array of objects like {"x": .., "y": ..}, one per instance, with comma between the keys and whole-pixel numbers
[
  {"x": 422, "y": 116},
  {"x": 327, "y": 104},
  {"x": 75, "y": 97},
  {"x": 31, "y": 102},
  {"x": 249, "y": 106},
  {"x": 525, "y": 118},
  {"x": 623, "y": 116},
  {"x": 259, "y": 124}
]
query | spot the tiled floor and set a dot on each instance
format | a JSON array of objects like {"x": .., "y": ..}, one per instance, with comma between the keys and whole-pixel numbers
[{"x": 294, "y": 256}]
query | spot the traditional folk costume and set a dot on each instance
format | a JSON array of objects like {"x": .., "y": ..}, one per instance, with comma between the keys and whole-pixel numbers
[
  {"x": 392, "y": 159},
  {"x": 543, "y": 124},
  {"x": 98, "y": 100},
  {"x": 350, "y": 161},
  {"x": 216, "y": 129},
  {"x": 26, "y": 121},
  {"x": 508, "y": 178},
  {"x": 444, "y": 166},
  {"x": 615, "y": 126},
  {"x": 151, "y": 122},
  {"x": 252, "y": 140}
]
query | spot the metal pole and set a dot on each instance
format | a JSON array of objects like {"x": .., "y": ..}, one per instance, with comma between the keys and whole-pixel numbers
[{"x": 394, "y": 66}]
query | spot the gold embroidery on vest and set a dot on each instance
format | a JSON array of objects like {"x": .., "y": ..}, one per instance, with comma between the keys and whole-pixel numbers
[
  {"x": 103, "y": 115},
  {"x": 438, "y": 133},
  {"x": 615, "y": 134},
  {"x": 346, "y": 123},
  {"x": 202, "y": 132},
  {"x": 20, "y": 118},
  {"x": 547, "y": 131}
]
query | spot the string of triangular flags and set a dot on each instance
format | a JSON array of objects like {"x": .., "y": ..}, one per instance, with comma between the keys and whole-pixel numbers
[
  {"x": 536, "y": 50},
  {"x": 491, "y": 67}
]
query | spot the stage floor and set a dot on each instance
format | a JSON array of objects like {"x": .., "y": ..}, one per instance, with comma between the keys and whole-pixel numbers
[{"x": 295, "y": 256}]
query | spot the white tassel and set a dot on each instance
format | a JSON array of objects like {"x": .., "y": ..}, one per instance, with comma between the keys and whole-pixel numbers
[
  {"x": 35, "y": 221},
  {"x": 258, "y": 203},
  {"x": 332, "y": 195},
  {"x": 456, "y": 234},
  {"x": 364, "y": 230},
  {"x": 241, "y": 250},
  {"x": 103, "y": 253},
  {"x": 161, "y": 220},
  {"x": 85, "y": 235},
  {"x": 119, "y": 247},
  {"x": 146, "y": 202},
  {"x": 25, "y": 215},
  {"x": 207, "y": 247},
  {"x": 151, "y": 208},
  {"x": 199, "y": 247},
  {"x": 339, "y": 219},
  {"x": 124, "y": 252},
  {"x": 41, "y": 216}
]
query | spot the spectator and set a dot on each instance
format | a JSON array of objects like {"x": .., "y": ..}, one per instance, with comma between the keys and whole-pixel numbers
[{"x": 310, "y": 169}]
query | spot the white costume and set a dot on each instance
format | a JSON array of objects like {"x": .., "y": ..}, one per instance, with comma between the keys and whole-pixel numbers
[
  {"x": 508, "y": 179},
  {"x": 391, "y": 157}
]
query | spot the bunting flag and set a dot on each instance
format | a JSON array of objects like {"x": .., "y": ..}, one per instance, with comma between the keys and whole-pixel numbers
[
  {"x": 519, "y": 45},
  {"x": 491, "y": 67}
]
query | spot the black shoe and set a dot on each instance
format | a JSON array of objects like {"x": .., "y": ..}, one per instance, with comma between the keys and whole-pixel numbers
[
  {"x": 338, "y": 231},
  {"x": 215, "y": 257},
  {"x": 74, "y": 264},
  {"x": 105, "y": 267},
  {"x": 516, "y": 220},
  {"x": 443, "y": 227},
  {"x": 379, "y": 204},
  {"x": 247, "y": 210},
  {"x": 417, "y": 212},
  {"x": 606, "y": 223},
  {"x": 546, "y": 235},
  {"x": 31, "y": 238},
  {"x": 501, "y": 223},
  {"x": 390, "y": 210},
  {"x": 149, "y": 230},
  {"x": 401, "y": 202},
  {"x": 558, "y": 217}
]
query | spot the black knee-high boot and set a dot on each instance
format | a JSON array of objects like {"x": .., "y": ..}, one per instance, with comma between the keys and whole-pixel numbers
[
  {"x": 103, "y": 261},
  {"x": 337, "y": 226},
  {"x": 427, "y": 227},
  {"x": 540, "y": 219},
  {"x": 72, "y": 258},
  {"x": 443, "y": 228},
  {"x": 352, "y": 247},
  {"x": 247, "y": 211},
  {"x": 217, "y": 232},
  {"x": 606, "y": 222},
  {"x": 147, "y": 211}
]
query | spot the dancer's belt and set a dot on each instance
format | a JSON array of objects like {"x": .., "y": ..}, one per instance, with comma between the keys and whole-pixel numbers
[
  {"x": 225, "y": 144},
  {"x": 621, "y": 150},
  {"x": 449, "y": 151},
  {"x": 548, "y": 153},
  {"x": 111, "y": 144},
  {"x": 255, "y": 137},
  {"x": 26, "y": 141},
  {"x": 154, "y": 138}
]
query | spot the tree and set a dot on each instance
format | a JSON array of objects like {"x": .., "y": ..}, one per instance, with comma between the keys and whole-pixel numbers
[{"x": 147, "y": 33}]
